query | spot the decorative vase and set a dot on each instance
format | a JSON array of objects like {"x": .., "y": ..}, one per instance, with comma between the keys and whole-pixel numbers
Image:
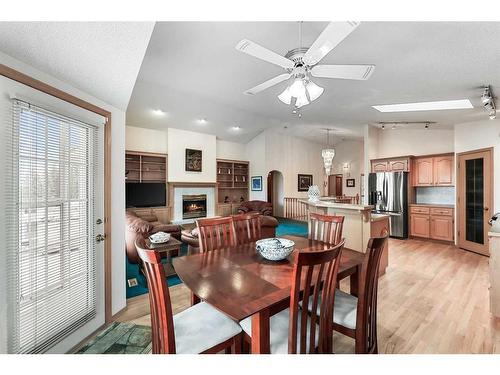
[{"x": 313, "y": 193}]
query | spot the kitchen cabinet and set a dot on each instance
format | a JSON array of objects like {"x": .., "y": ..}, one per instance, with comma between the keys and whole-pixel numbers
[
  {"x": 434, "y": 171},
  {"x": 441, "y": 228},
  {"x": 419, "y": 225},
  {"x": 432, "y": 221},
  {"x": 381, "y": 166},
  {"x": 443, "y": 170},
  {"x": 423, "y": 172},
  {"x": 400, "y": 164}
]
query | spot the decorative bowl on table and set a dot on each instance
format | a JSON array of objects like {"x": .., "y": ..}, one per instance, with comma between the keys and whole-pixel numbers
[
  {"x": 274, "y": 248},
  {"x": 159, "y": 237}
]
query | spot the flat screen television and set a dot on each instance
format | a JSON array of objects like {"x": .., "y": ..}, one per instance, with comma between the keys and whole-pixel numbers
[{"x": 146, "y": 194}]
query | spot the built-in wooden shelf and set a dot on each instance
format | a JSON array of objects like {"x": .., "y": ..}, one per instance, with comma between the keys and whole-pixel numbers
[
  {"x": 233, "y": 183},
  {"x": 145, "y": 167}
]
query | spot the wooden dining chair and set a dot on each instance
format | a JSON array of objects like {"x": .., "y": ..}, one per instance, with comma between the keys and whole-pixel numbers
[
  {"x": 198, "y": 329},
  {"x": 356, "y": 317},
  {"x": 247, "y": 228},
  {"x": 216, "y": 233},
  {"x": 295, "y": 330},
  {"x": 325, "y": 228}
]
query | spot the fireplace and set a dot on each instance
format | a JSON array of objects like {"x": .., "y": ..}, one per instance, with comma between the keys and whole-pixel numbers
[{"x": 194, "y": 206}]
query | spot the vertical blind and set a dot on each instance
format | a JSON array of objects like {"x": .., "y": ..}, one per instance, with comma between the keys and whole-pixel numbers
[{"x": 52, "y": 263}]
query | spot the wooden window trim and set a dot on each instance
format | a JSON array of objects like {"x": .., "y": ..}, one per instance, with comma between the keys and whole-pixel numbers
[{"x": 52, "y": 91}]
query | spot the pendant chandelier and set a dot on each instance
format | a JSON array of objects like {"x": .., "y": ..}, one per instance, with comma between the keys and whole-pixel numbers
[{"x": 328, "y": 154}]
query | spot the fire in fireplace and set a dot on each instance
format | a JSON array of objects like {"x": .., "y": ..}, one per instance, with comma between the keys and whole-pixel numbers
[{"x": 194, "y": 206}]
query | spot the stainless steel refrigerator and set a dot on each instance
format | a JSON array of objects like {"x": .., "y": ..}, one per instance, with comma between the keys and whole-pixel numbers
[{"x": 388, "y": 193}]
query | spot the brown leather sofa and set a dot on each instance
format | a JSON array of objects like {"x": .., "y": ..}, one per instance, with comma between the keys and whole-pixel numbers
[
  {"x": 261, "y": 207},
  {"x": 268, "y": 230},
  {"x": 144, "y": 226}
]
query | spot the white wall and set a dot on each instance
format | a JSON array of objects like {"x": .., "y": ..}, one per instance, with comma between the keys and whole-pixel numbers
[
  {"x": 291, "y": 155},
  {"x": 146, "y": 140},
  {"x": 256, "y": 155},
  {"x": 230, "y": 150},
  {"x": 351, "y": 152},
  {"x": 477, "y": 135},
  {"x": 399, "y": 142},
  {"x": 117, "y": 235},
  {"x": 178, "y": 142}
]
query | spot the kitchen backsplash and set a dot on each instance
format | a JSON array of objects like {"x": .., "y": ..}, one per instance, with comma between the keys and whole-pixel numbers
[{"x": 435, "y": 195}]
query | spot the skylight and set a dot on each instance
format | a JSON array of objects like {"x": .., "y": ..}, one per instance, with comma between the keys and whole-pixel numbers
[{"x": 425, "y": 106}]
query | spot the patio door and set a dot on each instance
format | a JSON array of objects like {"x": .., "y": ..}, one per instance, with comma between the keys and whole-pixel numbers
[
  {"x": 474, "y": 199},
  {"x": 55, "y": 222}
]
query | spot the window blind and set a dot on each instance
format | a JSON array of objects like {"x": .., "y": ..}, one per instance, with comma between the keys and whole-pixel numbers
[{"x": 52, "y": 263}]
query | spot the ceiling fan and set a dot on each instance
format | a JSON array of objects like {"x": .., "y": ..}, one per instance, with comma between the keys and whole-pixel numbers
[{"x": 302, "y": 63}]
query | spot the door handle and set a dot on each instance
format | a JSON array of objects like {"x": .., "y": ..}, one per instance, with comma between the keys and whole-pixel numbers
[{"x": 100, "y": 238}]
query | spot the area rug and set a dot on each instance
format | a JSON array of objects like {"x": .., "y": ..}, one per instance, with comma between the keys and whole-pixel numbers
[
  {"x": 285, "y": 227},
  {"x": 120, "y": 338}
]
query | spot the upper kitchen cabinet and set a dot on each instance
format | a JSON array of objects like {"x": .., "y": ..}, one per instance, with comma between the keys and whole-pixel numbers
[
  {"x": 423, "y": 172},
  {"x": 434, "y": 171},
  {"x": 401, "y": 164},
  {"x": 443, "y": 170}
]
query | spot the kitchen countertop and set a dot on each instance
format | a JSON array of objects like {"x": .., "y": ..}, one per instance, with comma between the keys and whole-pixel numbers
[{"x": 432, "y": 205}]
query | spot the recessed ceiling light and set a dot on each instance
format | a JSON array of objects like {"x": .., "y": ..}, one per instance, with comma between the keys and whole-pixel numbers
[
  {"x": 425, "y": 106},
  {"x": 202, "y": 121},
  {"x": 159, "y": 112},
  {"x": 235, "y": 127}
]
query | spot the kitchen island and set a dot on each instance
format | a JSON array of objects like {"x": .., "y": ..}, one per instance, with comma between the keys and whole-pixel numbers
[{"x": 359, "y": 224}]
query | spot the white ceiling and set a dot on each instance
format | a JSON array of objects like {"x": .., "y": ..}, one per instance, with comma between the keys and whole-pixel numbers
[
  {"x": 100, "y": 58},
  {"x": 191, "y": 70}
]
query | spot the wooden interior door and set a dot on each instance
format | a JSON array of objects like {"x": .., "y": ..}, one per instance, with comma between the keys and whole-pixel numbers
[
  {"x": 335, "y": 185},
  {"x": 270, "y": 187},
  {"x": 474, "y": 199}
]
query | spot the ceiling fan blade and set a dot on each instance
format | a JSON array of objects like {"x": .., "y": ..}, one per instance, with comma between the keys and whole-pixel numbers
[
  {"x": 331, "y": 36},
  {"x": 361, "y": 72},
  {"x": 267, "y": 84},
  {"x": 262, "y": 53}
]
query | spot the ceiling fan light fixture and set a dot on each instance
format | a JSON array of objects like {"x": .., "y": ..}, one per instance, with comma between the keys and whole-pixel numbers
[
  {"x": 285, "y": 96},
  {"x": 297, "y": 88},
  {"x": 302, "y": 101},
  {"x": 314, "y": 90}
]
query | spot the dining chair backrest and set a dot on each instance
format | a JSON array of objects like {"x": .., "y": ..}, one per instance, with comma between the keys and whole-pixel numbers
[
  {"x": 247, "y": 227},
  {"x": 366, "y": 318},
  {"x": 315, "y": 273},
  {"x": 325, "y": 228},
  {"x": 162, "y": 324},
  {"x": 216, "y": 233}
]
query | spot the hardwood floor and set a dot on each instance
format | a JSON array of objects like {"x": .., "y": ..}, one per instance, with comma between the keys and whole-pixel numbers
[{"x": 433, "y": 299}]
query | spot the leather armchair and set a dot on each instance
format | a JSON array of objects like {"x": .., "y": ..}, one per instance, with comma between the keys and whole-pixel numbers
[
  {"x": 144, "y": 226},
  {"x": 261, "y": 207}
]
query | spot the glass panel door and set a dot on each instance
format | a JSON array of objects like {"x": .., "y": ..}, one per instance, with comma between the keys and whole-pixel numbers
[{"x": 474, "y": 196}]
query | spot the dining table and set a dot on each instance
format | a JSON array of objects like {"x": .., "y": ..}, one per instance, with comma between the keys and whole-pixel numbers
[{"x": 239, "y": 282}]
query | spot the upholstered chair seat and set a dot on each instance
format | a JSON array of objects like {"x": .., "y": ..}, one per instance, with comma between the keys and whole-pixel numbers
[
  {"x": 278, "y": 334},
  {"x": 201, "y": 327},
  {"x": 344, "y": 309}
]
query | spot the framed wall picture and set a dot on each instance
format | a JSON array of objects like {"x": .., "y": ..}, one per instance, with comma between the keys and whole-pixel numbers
[
  {"x": 350, "y": 182},
  {"x": 304, "y": 181},
  {"x": 256, "y": 183},
  {"x": 193, "y": 160}
]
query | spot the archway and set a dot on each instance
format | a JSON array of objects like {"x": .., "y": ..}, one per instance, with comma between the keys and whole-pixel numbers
[{"x": 276, "y": 192}]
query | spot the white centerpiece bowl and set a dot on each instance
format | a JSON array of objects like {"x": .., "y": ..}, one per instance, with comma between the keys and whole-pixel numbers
[{"x": 274, "y": 248}]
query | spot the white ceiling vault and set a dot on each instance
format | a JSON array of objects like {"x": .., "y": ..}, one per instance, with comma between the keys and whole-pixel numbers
[
  {"x": 99, "y": 58},
  {"x": 192, "y": 70}
]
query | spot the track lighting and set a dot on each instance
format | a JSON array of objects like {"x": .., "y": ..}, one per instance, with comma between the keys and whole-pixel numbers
[
  {"x": 426, "y": 126},
  {"x": 383, "y": 127},
  {"x": 489, "y": 102}
]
